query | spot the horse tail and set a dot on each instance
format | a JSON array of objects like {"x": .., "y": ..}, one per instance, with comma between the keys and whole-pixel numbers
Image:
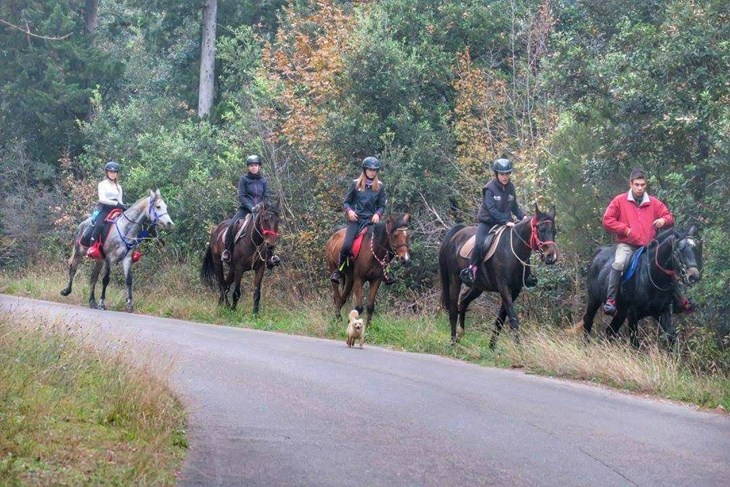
[
  {"x": 207, "y": 270},
  {"x": 444, "y": 265}
]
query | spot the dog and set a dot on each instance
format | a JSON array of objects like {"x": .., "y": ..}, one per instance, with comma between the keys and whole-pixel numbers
[{"x": 355, "y": 329}]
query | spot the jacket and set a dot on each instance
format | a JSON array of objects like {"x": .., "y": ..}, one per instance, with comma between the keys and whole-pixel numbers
[
  {"x": 623, "y": 213},
  {"x": 110, "y": 193},
  {"x": 365, "y": 202},
  {"x": 499, "y": 203},
  {"x": 252, "y": 190}
]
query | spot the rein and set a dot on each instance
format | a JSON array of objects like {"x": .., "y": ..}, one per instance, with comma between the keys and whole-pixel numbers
[
  {"x": 132, "y": 242},
  {"x": 675, "y": 261},
  {"x": 390, "y": 252},
  {"x": 263, "y": 232}
]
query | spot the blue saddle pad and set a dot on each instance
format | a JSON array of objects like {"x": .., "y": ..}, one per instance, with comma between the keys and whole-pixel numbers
[{"x": 633, "y": 264}]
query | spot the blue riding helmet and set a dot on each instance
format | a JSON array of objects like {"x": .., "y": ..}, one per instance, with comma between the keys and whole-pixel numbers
[{"x": 112, "y": 166}]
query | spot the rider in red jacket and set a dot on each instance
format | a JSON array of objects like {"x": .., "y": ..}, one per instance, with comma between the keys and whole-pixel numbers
[{"x": 634, "y": 218}]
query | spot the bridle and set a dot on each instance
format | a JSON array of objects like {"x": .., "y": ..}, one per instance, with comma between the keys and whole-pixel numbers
[
  {"x": 675, "y": 261},
  {"x": 154, "y": 218},
  {"x": 535, "y": 243},
  {"x": 391, "y": 252}
]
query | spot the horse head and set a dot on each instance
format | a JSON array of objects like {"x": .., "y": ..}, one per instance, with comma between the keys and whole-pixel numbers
[
  {"x": 267, "y": 222},
  {"x": 687, "y": 256},
  {"x": 157, "y": 211},
  {"x": 397, "y": 229},
  {"x": 543, "y": 235}
]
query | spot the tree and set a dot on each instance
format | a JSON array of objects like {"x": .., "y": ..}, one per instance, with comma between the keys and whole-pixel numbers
[{"x": 207, "y": 59}]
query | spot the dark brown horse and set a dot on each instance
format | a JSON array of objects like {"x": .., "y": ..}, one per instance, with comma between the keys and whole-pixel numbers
[
  {"x": 249, "y": 253},
  {"x": 382, "y": 243},
  {"x": 504, "y": 272}
]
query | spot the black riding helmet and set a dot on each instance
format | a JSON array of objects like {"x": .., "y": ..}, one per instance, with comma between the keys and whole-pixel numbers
[
  {"x": 253, "y": 159},
  {"x": 502, "y": 165},
  {"x": 112, "y": 166},
  {"x": 371, "y": 163}
]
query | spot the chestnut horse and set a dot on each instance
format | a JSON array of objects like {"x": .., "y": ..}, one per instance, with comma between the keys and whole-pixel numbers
[
  {"x": 381, "y": 243},
  {"x": 503, "y": 273},
  {"x": 249, "y": 253}
]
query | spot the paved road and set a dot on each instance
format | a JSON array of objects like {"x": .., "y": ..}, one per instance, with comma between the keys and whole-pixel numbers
[{"x": 268, "y": 409}]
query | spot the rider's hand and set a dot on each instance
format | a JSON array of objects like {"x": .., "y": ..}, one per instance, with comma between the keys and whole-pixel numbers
[
  {"x": 376, "y": 218},
  {"x": 659, "y": 222},
  {"x": 351, "y": 215},
  {"x": 510, "y": 224},
  {"x": 628, "y": 231}
]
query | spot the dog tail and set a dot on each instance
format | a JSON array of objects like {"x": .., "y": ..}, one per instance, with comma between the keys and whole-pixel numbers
[{"x": 354, "y": 314}]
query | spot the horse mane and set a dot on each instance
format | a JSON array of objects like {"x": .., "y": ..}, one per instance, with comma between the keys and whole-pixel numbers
[
  {"x": 662, "y": 236},
  {"x": 272, "y": 207},
  {"x": 380, "y": 228}
]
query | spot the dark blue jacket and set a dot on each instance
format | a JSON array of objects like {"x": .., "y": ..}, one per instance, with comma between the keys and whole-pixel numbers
[
  {"x": 499, "y": 204},
  {"x": 251, "y": 191},
  {"x": 365, "y": 202}
]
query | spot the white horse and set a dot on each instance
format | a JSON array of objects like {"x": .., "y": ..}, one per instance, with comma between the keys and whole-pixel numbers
[{"x": 121, "y": 239}]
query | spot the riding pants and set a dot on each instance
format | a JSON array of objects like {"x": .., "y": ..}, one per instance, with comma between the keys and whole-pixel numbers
[
  {"x": 352, "y": 229},
  {"x": 241, "y": 213},
  {"x": 99, "y": 222},
  {"x": 622, "y": 257}
]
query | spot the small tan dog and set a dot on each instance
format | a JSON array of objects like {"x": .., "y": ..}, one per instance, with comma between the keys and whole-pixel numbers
[{"x": 355, "y": 329}]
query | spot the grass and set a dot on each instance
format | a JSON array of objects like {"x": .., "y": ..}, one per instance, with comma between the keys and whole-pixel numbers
[
  {"x": 70, "y": 415},
  {"x": 174, "y": 290}
]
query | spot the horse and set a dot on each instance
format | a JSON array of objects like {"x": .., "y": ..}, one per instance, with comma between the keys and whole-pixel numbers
[
  {"x": 249, "y": 253},
  {"x": 671, "y": 257},
  {"x": 122, "y": 238},
  {"x": 381, "y": 243},
  {"x": 504, "y": 272}
]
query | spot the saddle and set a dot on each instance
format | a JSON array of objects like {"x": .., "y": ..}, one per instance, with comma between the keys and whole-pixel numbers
[
  {"x": 111, "y": 217},
  {"x": 633, "y": 264},
  {"x": 240, "y": 231},
  {"x": 490, "y": 242},
  {"x": 357, "y": 243}
]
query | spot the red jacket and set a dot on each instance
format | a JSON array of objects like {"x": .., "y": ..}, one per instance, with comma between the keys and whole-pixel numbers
[{"x": 622, "y": 214}]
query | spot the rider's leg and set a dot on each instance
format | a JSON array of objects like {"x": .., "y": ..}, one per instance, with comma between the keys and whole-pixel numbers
[
  {"x": 350, "y": 233},
  {"x": 226, "y": 254},
  {"x": 469, "y": 274},
  {"x": 620, "y": 259}
]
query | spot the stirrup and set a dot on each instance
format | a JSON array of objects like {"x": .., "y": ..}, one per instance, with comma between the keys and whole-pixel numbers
[
  {"x": 95, "y": 252},
  {"x": 530, "y": 281},
  {"x": 336, "y": 276}
]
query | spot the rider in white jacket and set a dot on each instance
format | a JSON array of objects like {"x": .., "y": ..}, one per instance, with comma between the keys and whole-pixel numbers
[{"x": 110, "y": 197}]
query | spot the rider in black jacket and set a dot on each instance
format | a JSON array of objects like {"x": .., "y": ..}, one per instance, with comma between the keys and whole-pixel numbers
[
  {"x": 364, "y": 204},
  {"x": 499, "y": 203},
  {"x": 252, "y": 190}
]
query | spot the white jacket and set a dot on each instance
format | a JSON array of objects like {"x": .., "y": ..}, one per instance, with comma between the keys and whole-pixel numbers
[{"x": 110, "y": 193}]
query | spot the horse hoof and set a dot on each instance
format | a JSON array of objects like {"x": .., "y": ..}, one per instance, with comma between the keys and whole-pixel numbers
[
  {"x": 92, "y": 304},
  {"x": 459, "y": 333},
  {"x": 101, "y": 307},
  {"x": 65, "y": 292},
  {"x": 130, "y": 308}
]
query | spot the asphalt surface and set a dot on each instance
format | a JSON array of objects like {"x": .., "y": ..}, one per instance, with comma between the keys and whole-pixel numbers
[{"x": 268, "y": 409}]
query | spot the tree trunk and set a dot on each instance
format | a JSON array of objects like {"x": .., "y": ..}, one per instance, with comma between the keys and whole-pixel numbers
[
  {"x": 207, "y": 59},
  {"x": 91, "y": 16}
]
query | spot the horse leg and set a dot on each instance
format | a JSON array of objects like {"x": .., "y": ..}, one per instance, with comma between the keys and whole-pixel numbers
[
  {"x": 221, "y": 279},
  {"x": 454, "y": 291},
  {"x": 127, "y": 267},
  {"x": 590, "y": 314},
  {"x": 105, "y": 283},
  {"x": 470, "y": 295},
  {"x": 73, "y": 264},
  {"x": 234, "y": 277},
  {"x": 514, "y": 324},
  {"x": 340, "y": 297},
  {"x": 357, "y": 289},
  {"x": 499, "y": 322},
  {"x": 634, "y": 332},
  {"x": 615, "y": 325},
  {"x": 670, "y": 331},
  {"x": 92, "y": 283},
  {"x": 258, "y": 277},
  {"x": 370, "y": 308}
]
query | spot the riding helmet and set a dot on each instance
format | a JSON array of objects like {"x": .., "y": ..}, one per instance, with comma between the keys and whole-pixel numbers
[
  {"x": 253, "y": 159},
  {"x": 112, "y": 166},
  {"x": 371, "y": 163},
  {"x": 502, "y": 165}
]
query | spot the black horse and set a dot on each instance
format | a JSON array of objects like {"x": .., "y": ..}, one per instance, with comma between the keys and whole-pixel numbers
[
  {"x": 673, "y": 256},
  {"x": 504, "y": 272}
]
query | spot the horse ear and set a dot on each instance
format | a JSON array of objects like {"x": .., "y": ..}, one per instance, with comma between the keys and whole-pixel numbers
[
  {"x": 692, "y": 230},
  {"x": 551, "y": 213},
  {"x": 537, "y": 210},
  {"x": 157, "y": 192},
  {"x": 406, "y": 218},
  {"x": 152, "y": 194}
]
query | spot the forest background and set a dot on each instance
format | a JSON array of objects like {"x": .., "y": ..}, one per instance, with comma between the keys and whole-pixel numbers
[{"x": 576, "y": 93}]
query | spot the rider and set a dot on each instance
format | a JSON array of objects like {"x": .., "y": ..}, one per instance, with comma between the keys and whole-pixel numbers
[
  {"x": 634, "y": 218},
  {"x": 252, "y": 190},
  {"x": 364, "y": 204},
  {"x": 110, "y": 197},
  {"x": 499, "y": 204}
]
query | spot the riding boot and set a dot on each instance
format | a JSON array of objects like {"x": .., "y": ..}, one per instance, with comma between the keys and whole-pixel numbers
[
  {"x": 336, "y": 276},
  {"x": 614, "y": 280},
  {"x": 388, "y": 278}
]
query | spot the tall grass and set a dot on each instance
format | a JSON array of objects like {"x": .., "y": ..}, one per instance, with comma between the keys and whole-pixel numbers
[
  {"x": 174, "y": 290},
  {"x": 71, "y": 415}
]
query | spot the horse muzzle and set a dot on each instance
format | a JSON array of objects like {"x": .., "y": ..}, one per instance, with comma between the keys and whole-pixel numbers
[
  {"x": 692, "y": 276},
  {"x": 550, "y": 254}
]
